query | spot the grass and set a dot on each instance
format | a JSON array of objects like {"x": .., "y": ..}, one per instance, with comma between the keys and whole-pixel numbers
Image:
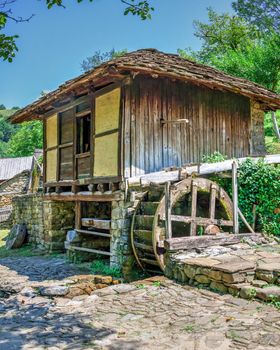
[
  {"x": 103, "y": 268},
  {"x": 25, "y": 250}
]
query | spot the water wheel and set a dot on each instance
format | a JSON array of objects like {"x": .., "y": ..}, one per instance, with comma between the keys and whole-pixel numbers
[{"x": 195, "y": 204}]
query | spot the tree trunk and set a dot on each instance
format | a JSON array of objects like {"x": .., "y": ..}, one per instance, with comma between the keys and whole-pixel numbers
[{"x": 275, "y": 125}]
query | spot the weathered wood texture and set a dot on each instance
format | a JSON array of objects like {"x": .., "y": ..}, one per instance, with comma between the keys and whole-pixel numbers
[
  {"x": 218, "y": 121},
  {"x": 257, "y": 130},
  {"x": 187, "y": 243}
]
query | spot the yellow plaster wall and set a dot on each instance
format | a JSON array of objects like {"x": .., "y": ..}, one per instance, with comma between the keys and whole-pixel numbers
[
  {"x": 106, "y": 155},
  {"x": 51, "y": 165},
  {"x": 51, "y": 131},
  {"x": 107, "y": 111}
]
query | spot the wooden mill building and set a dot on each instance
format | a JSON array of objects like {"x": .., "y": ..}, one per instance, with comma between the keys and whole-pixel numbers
[{"x": 138, "y": 114}]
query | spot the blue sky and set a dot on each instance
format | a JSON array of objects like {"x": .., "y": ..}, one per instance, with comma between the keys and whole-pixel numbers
[{"x": 53, "y": 44}]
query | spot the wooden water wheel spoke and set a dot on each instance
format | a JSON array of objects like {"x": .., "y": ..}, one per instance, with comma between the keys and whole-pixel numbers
[
  {"x": 191, "y": 207},
  {"x": 212, "y": 208}
]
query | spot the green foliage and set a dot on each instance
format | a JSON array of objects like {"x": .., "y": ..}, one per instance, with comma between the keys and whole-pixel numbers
[
  {"x": 238, "y": 46},
  {"x": 28, "y": 137},
  {"x": 268, "y": 124},
  {"x": 19, "y": 140},
  {"x": 141, "y": 9},
  {"x": 265, "y": 14},
  {"x": 100, "y": 57},
  {"x": 258, "y": 61},
  {"x": 213, "y": 158},
  {"x": 222, "y": 33},
  {"x": 8, "y": 47},
  {"x": 258, "y": 184},
  {"x": 102, "y": 267},
  {"x": 274, "y": 301}
]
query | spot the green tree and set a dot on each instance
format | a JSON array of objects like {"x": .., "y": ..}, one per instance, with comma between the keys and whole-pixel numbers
[
  {"x": 264, "y": 14},
  {"x": 28, "y": 137},
  {"x": 100, "y": 57},
  {"x": 2, "y": 107},
  {"x": 222, "y": 33},
  {"x": 8, "y": 46}
]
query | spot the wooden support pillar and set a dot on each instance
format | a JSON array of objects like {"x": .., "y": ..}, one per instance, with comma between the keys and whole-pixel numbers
[
  {"x": 78, "y": 215},
  {"x": 168, "y": 224},
  {"x": 235, "y": 198},
  {"x": 212, "y": 201},
  {"x": 193, "y": 210}
]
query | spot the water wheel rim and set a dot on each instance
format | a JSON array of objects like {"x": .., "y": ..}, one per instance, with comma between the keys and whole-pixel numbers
[{"x": 182, "y": 188}]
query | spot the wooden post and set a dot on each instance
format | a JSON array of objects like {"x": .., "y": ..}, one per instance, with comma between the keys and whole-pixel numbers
[
  {"x": 78, "y": 215},
  {"x": 235, "y": 198},
  {"x": 168, "y": 225},
  {"x": 193, "y": 209},
  {"x": 212, "y": 201}
]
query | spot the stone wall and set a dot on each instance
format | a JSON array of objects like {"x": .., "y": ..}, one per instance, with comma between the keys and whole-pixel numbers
[
  {"x": 121, "y": 250},
  {"x": 12, "y": 187},
  {"x": 47, "y": 221}
]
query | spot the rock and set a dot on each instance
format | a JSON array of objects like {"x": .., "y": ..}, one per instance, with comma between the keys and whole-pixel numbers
[
  {"x": 124, "y": 288},
  {"x": 190, "y": 271},
  {"x": 16, "y": 236},
  {"x": 215, "y": 275},
  {"x": 269, "y": 293},
  {"x": 218, "y": 287},
  {"x": 266, "y": 276},
  {"x": 101, "y": 285},
  {"x": 212, "y": 230},
  {"x": 202, "y": 279},
  {"x": 233, "y": 277},
  {"x": 259, "y": 283},
  {"x": 54, "y": 291},
  {"x": 248, "y": 292},
  {"x": 240, "y": 265},
  {"x": 103, "y": 279},
  {"x": 91, "y": 299}
]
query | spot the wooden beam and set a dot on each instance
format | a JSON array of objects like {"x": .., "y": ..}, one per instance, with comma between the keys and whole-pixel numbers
[
  {"x": 88, "y": 250},
  {"x": 97, "y": 223},
  {"x": 202, "y": 169},
  {"x": 188, "y": 243},
  {"x": 94, "y": 233},
  {"x": 71, "y": 197},
  {"x": 199, "y": 221}
]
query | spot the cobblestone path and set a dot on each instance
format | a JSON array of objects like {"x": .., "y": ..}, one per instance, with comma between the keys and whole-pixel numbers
[{"x": 143, "y": 315}]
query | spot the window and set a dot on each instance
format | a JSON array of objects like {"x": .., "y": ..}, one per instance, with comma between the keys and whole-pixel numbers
[{"x": 83, "y": 134}]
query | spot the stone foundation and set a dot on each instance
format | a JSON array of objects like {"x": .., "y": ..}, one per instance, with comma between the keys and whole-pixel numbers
[
  {"x": 121, "y": 250},
  {"x": 244, "y": 270},
  {"x": 47, "y": 221}
]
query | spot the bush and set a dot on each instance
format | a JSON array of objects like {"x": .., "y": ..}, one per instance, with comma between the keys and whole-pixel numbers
[{"x": 258, "y": 184}]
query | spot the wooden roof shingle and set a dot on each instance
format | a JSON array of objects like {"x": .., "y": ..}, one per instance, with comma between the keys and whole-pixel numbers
[{"x": 155, "y": 63}]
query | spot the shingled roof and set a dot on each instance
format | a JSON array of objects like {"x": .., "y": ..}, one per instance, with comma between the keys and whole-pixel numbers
[{"x": 155, "y": 63}]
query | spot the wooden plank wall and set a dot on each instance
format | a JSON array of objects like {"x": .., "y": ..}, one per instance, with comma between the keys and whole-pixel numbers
[{"x": 218, "y": 122}]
